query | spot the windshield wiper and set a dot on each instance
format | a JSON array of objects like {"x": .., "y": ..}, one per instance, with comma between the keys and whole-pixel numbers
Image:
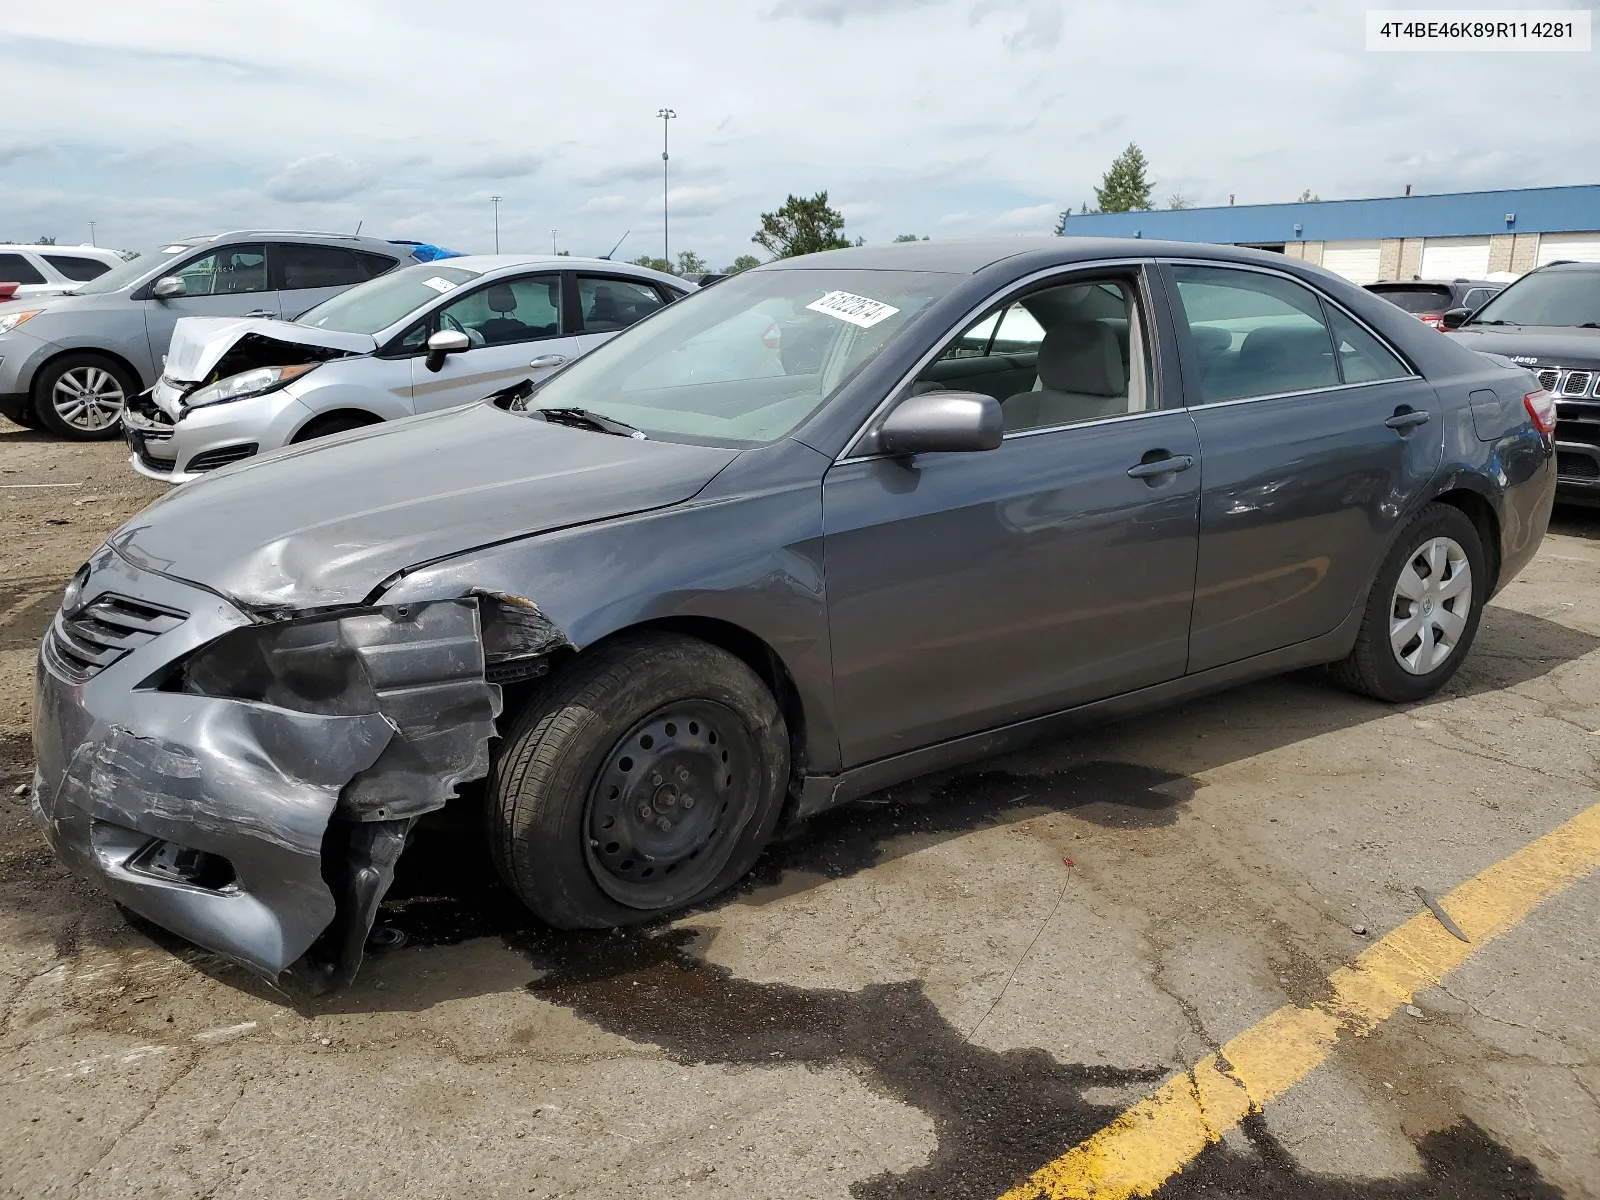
[
  {"x": 1488, "y": 322},
  {"x": 582, "y": 418},
  {"x": 1589, "y": 325}
]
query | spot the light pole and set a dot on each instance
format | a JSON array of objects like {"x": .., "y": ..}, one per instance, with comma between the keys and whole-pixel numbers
[
  {"x": 553, "y": 233},
  {"x": 495, "y": 200},
  {"x": 666, "y": 114},
  {"x": 92, "y": 224}
]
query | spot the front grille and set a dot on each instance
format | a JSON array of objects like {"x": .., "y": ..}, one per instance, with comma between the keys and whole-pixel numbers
[
  {"x": 210, "y": 460},
  {"x": 1564, "y": 381},
  {"x": 79, "y": 647},
  {"x": 1576, "y": 466}
]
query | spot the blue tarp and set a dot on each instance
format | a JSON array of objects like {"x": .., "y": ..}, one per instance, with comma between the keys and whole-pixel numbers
[{"x": 423, "y": 252}]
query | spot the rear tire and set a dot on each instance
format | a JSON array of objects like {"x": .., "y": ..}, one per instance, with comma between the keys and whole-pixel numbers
[
  {"x": 80, "y": 397},
  {"x": 646, "y": 777},
  {"x": 1416, "y": 631}
]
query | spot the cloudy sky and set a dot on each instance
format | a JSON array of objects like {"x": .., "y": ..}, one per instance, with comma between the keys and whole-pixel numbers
[{"x": 163, "y": 118}]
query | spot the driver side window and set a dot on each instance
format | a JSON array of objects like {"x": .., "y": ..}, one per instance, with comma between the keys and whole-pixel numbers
[
  {"x": 231, "y": 271},
  {"x": 505, "y": 312},
  {"x": 1058, "y": 356}
]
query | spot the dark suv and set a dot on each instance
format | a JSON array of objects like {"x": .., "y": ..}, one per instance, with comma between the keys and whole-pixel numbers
[
  {"x": 1549, "y": 322},
  {"x": 1429, "y": 299}
]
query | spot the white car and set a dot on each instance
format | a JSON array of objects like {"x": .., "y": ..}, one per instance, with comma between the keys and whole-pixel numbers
[
  {"x": 51, "y": 270},
  {"x": 418, "y": 339}
]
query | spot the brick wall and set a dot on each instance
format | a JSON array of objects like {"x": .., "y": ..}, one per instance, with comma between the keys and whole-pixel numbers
[
  {"x": 1389, "y": 258},
  {"x": 1410, "y": 259},
  {"x": 1311, "y": 252},
  {"x": 1525, "y": 252},
  {"x": 1500, "y": 252}
]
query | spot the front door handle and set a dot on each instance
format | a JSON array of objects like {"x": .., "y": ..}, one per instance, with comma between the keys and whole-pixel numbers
[
  {"x": 548, "y": 360},
  {"x": 1170, "y": 465},
  {"x": 261, "y": 312},
  {"x": 1407, "y": 419}
]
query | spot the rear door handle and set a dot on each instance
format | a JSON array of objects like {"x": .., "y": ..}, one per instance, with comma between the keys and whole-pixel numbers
[
  {"x": 1407, "y": 420},
  {"x": 548, "y": 360},
  {"x": 1170, "y": 465}
]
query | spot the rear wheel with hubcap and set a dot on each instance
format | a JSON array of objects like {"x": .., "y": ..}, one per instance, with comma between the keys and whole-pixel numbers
[
  {"x": 646, "y": 777},
  {"x": 1423, "y": 610},
  {"x": 81, "y": 396}
]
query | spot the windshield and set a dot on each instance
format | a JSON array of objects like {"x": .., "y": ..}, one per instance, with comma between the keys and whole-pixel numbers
[
  {"x": 132, "y": 271},
  {"x": 379, "y": 303},
  {"x": 1569, "y": 298},
  {"x": 748, "y": 359}
]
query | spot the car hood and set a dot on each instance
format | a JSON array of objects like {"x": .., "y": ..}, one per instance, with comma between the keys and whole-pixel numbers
[
  {"x": 326, "y": 522},
  {"x": 1545, "y": 345},
  {"x": 200, "y": 343}
]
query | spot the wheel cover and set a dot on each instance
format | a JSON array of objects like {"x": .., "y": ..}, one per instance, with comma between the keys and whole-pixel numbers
[
  {"x": 1431, "y": 603},
  {"x": 88, "y": 398},
  {"x": 669, "y": 802}
]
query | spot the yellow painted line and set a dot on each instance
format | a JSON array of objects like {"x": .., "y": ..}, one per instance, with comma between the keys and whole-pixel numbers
[{"x": 1153, "y": 1140}]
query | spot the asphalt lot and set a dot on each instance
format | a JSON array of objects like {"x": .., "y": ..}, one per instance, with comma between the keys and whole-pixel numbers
[{"x": 930, "y": 994}]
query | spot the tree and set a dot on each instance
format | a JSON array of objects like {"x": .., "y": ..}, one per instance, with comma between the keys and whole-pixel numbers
[
  {"x": 45, "y": 241},
  {"x": 655, "y": 264},
  {"x": 690, "y": 263},
  {"x": 1124, "y": 187},
  {"x": 909, "y": 237},
  {"x": 743, "y": 263},
  {"x": 1061, "y": 223},
  {"x": 1307, "y": 198},
  {"x": 1178, "y": 200},
  {"x": 801, "y": 226}
]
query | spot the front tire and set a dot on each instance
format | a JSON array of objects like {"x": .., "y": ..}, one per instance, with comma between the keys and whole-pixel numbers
[
  {"x": 647, "y": 777},
  {"x": 80, "y": 397},
  {"x": 1423, "y": 610}
]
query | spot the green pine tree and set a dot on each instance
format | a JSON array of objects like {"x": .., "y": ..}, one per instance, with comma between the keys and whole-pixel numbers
[
  {"x": 1124, "y": 187},
  {"x": 802, "y": 226}
]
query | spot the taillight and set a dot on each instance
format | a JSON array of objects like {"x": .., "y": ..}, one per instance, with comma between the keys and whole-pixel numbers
[
  {"x": 1541, "y": 406},
  {"x": 1435, "y": 320}
]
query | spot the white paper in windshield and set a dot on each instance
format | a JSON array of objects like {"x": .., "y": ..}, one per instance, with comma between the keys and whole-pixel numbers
[
  {"x": 439, "y": 285},
  {"x": 858, "y": 310}
]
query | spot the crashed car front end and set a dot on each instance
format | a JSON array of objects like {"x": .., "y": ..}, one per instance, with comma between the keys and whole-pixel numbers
[{"x": 249, "y": 780}]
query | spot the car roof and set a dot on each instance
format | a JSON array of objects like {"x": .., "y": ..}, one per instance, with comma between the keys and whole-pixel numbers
[
  {"x": 488, "y": 264},
  {"x": 91, "y": 251},
  {"x": 968, "y": 256},
  {"x": 1385, "y": 284},
  {"x": 1570, "y": 265},
  {"x": 360, "y": 240}
]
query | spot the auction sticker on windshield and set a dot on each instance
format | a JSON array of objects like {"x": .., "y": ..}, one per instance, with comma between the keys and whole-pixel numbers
[
  {"x": 439, "y": 285},
  {"x": 857, "y": 310}
]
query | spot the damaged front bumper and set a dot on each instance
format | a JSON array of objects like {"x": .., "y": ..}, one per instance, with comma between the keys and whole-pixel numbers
[{"x": 249, "y": 784}]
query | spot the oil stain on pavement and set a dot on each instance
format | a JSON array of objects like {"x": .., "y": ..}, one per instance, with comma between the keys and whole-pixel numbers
[{"x": 997, "y": 1114}]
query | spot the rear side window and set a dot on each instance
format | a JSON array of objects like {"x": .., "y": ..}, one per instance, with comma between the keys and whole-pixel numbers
[
  {"x": 611, "y": 304},
  {"x": 1362, "y": 357},
  {"x": 76, "y": 267},
  {"x": 373, "y": 265},
  {"x": 306, "y": 266},
  {"x": 1417, "y": 300},
  {"x": 1476, "y": 298},
  {"x": 1254, "y": 334},
  {"x": 16, "y": 269}
]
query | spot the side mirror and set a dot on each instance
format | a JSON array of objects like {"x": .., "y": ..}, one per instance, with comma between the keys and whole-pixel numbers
[
  {"x": 1454, "y": 317},
  {"x": 942, "y": 422},
  {"x": 443, "y": 344},
  {"x": 168, "y": 287}
]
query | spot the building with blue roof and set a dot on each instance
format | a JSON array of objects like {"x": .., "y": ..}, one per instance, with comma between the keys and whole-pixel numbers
[{"x": 1458, "y": 235}]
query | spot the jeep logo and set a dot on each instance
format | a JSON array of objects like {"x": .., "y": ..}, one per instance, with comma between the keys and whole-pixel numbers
[{"x": 1523, "y": 358}]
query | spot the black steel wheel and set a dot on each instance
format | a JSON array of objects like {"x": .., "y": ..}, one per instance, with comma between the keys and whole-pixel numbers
[{"x": 647, "y": 776}]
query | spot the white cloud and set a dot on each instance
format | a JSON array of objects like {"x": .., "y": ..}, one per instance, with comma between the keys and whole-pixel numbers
[
  {"x": 604, "y": 204},
  {"x": 14, "y": 151},
  {"x": 318, "y": 177},
  {"x": 511, "y": 165},
  {"x": 1031, "y": 218}
]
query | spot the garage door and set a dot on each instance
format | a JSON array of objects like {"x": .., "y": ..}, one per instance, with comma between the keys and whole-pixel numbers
[
  {"x": 1455, "y": 258},
  {"x": 1580, "y": 247},
  {"x": 1356, "y": 261}
]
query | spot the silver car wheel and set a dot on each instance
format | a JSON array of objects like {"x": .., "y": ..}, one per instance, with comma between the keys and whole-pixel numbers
[
  {"x": 88, "y": 398},
  {"x": 1432, "y": 599}
]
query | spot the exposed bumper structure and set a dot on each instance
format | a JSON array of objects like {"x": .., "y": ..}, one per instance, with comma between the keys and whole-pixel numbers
[{"x": 194, "y": 761}]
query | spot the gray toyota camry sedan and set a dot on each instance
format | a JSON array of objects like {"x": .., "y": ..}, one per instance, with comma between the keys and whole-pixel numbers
[{"x": 818, "y": 528}]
